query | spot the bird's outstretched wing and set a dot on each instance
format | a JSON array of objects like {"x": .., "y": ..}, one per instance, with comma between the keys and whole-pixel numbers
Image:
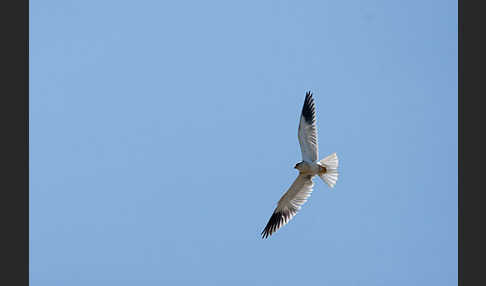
[
  {"x": 308, "y": 130},
  {"x": 289, "y": 204}
]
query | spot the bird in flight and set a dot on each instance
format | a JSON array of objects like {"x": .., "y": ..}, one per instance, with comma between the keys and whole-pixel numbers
[{"x": 301, "y": 188}]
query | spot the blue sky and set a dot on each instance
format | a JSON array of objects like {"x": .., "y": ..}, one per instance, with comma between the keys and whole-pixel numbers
[{"x": 163, "y": 133}]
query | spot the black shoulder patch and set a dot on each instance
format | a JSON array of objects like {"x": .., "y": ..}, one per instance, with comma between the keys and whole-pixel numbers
[{"x": 309, "y": 109}]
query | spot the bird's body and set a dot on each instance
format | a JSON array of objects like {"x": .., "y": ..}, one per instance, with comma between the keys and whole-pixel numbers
[{"x": 308, "y": 168}]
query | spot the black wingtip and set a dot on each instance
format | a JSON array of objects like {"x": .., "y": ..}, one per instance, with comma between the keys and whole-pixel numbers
[
  {"x": 272, "y": 225},
  {"x": 276, "y": 221},
  {"x": 309, "y": 109}
]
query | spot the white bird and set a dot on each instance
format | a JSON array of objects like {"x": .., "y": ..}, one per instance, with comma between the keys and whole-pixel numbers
[{"x": 301, "y": 189}]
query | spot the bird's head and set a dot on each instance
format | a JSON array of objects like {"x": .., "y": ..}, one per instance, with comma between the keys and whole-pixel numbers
[{"x": 298, "y": 166}]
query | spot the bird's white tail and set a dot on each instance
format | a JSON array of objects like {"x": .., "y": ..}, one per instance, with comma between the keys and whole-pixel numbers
[{"x": 330, "y": 176}]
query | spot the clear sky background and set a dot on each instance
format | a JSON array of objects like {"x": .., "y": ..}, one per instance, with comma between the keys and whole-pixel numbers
[{"x": 163, "y": 133}]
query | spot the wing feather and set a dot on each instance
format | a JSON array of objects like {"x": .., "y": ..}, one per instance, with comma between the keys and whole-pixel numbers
[
  {"x": 289, "y": 204},
  {"x": 307, "y": 133}
]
